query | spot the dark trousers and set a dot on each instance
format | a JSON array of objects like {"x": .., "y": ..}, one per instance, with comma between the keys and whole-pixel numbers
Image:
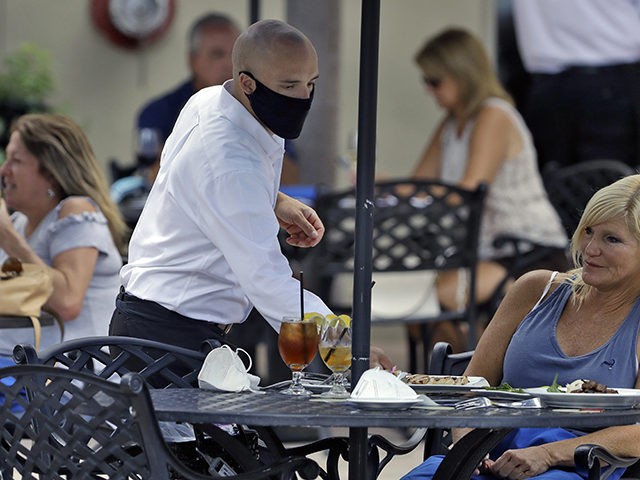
[
  {"x": 138, "y": 318},
  {"x": 585, "y": 113}
]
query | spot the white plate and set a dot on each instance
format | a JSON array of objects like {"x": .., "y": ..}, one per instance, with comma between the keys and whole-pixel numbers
[
  {"x": 381, "y": 403},
  {"x": 625, "y": 398},
  {"x": 474, "y": 382}
]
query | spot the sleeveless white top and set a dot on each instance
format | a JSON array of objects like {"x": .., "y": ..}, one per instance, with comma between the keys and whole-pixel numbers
[{"x": 516, "y": 203}]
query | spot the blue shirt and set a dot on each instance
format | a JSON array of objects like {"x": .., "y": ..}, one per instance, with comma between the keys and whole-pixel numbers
[
  {"x": 534, "y": 355},
  {"x": 162, "y": 112}
]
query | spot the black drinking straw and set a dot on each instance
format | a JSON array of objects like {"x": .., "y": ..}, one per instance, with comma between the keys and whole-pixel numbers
[{"x": 301, "y": 295}]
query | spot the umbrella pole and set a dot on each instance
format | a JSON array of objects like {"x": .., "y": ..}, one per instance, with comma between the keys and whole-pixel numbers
[{"x": 365, "y": 179}]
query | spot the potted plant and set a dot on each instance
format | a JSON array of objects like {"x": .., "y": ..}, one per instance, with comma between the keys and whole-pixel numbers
[{"x": 25, "y": 83}]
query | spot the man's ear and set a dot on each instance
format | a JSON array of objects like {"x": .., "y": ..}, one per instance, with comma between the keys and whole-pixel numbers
[{"x": 247, "y": 84}]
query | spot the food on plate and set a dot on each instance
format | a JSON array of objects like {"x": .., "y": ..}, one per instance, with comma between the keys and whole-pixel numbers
[
  {"x": 422, "y": 379},
  {"x": 505, "y": 387},
  {"x": 588, "y": 386}
]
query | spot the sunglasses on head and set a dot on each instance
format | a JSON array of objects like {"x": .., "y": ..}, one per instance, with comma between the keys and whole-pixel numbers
[{"x": 432, "y": 81}]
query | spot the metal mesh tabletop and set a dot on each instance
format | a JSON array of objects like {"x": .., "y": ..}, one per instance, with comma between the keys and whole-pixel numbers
[{"x": 276, "y": 409}]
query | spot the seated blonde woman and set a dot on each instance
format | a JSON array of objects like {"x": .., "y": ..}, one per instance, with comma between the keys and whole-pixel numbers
[{"x": 582, "y": 324}]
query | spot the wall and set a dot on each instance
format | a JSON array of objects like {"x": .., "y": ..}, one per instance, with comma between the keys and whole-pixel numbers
[{"x": 102, "y": 86}]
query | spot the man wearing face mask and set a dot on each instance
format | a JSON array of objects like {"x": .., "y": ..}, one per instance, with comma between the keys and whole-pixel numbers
[{"x": 205, "y": 249}]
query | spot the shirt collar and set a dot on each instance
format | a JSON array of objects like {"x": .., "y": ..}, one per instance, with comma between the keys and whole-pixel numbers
[{"x": 239, "y": 115}]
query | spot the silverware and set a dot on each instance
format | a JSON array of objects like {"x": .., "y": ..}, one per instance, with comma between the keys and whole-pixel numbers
[{"x": 482, "y": 402}]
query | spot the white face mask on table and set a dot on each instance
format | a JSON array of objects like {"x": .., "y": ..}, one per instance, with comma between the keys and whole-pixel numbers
[{"x": 224, "y": 370}]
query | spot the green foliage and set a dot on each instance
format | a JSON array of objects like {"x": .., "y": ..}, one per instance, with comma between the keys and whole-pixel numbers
[{"x": 26, "y": 76}]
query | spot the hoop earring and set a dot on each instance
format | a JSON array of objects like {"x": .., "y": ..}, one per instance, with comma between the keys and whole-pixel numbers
[{"x": 50, "y": 193}]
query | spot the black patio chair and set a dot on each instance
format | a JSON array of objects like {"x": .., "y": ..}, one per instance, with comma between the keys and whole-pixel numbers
[
  {"x": 570, "y": 187},
  {"x": 240, "y": 448},
  {"x": 418, "y": 225},
  {"x": 600, "y": 464},
  {"x": 73, "y": 424},
  {"x": 595, "y": 460}
]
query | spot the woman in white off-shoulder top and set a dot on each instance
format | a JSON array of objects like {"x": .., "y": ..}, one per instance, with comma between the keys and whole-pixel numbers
[{"x": 64, "y": 218}]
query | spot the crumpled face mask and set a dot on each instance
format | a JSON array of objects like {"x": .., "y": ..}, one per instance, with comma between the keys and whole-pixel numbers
[{"x": 223, "y": 369}]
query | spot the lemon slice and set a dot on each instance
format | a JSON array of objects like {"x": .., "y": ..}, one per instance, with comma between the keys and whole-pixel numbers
[
  {"x": 316, "y": 317},
  {"x": 346, "y": 320}
]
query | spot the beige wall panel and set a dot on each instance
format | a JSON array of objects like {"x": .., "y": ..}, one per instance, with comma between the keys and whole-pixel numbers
[{"x": 102, "y": 86}]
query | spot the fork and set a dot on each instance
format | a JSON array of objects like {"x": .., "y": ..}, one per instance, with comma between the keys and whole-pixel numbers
[{"x": 481, "y": 402}]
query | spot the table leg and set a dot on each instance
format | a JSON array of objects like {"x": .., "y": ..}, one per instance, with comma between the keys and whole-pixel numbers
[
  {"x": 358, "y": 454},
  {"x": 465, "y": 455}
]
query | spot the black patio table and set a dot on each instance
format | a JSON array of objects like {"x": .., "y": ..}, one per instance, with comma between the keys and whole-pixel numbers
[{"x": 275, "y": 409}]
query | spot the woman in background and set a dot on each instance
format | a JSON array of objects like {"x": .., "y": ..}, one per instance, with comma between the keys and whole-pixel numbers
[
  {"x": 483, "y": 139},
  {"x": 62, "y": 217}
]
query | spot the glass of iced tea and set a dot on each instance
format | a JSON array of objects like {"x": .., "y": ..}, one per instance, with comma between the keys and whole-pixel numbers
[
  {"x": 335, "y": 350},
  {"x": 298, "y": 344}
]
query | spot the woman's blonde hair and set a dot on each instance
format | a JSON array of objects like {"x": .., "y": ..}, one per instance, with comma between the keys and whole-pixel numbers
[
  {"x": 459, "y": 54},
  {"x": 65, "y": 154},
  {"x": 620, "y": 200}
]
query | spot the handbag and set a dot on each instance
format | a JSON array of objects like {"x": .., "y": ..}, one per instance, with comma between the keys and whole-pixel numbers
[{"x": 24, "y": 289}]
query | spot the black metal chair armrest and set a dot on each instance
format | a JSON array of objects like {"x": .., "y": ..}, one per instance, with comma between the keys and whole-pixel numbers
[
  {"x": 391, "y": 449},
  {"x": 590, "y": 457}
]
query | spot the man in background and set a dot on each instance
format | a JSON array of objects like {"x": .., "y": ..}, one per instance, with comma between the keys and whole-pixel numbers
[
  {"x": 584, "y": 59},
  {"x": 210, "y": 42}
]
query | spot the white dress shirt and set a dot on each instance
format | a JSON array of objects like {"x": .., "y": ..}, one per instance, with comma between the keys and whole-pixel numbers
[
  {"x": 206, "y": 243},
  {"x": 556, "y": 34}
]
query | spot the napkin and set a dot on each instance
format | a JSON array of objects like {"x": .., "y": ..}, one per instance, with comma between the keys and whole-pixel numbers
[
  {"x": 223, "y": 369},
  {"x": 375, "y": 384}
]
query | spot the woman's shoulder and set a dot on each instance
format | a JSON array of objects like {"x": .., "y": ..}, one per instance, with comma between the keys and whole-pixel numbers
[
  {"x": 75, "y": 205},
  {"x": 531, "y": 285},
  {"x": 497, "y": 109},
  {"x": 77, "y": 212}
]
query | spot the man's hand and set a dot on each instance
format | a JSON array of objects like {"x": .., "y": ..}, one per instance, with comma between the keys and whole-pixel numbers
[
  {"x": 301, "y": 222},
  {"x": 377, "y": 358}
]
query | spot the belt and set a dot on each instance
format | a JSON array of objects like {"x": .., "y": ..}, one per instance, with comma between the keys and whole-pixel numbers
[
  {"x": 593, "y": 69},
  {"x": 222, "y": 328}
]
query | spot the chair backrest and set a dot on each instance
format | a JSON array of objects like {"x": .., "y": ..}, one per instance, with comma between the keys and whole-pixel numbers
[
  {"x": 160, "y": 364},
  {"x": 77, "y": 423},
  {"x": 418, "y": 225},
  {"x": 445, "y": 362},
  {"x": 570, "y": 187}
]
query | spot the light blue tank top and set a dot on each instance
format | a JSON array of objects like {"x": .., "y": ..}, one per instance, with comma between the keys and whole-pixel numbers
[{"x": 534, "y": 356}]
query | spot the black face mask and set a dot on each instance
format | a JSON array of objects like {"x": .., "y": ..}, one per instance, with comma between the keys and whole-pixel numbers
[{"x": 283, "y": 115}]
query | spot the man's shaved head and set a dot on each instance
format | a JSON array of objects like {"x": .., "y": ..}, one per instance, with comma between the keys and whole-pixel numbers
[{"x": 261, "y": 41}]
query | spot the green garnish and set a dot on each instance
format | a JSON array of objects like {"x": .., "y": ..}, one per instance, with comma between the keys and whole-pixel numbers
[
  {"x": 555, "y": 386},
  {"x": 505, "y": 387}
]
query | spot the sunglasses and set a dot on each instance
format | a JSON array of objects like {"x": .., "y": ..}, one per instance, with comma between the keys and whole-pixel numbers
[{"x": 432, "y": 82}]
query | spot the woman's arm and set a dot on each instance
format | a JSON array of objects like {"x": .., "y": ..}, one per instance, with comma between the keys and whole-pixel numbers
[
  {"x": 488, "y": 356},
  {"x": 492, "y": 139},
  {"x": 72, "y": 270},
  {"x": 429, "y": 164},
  {"x": 520, "y": 298},
  {"x": 621, "y": 441}
]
